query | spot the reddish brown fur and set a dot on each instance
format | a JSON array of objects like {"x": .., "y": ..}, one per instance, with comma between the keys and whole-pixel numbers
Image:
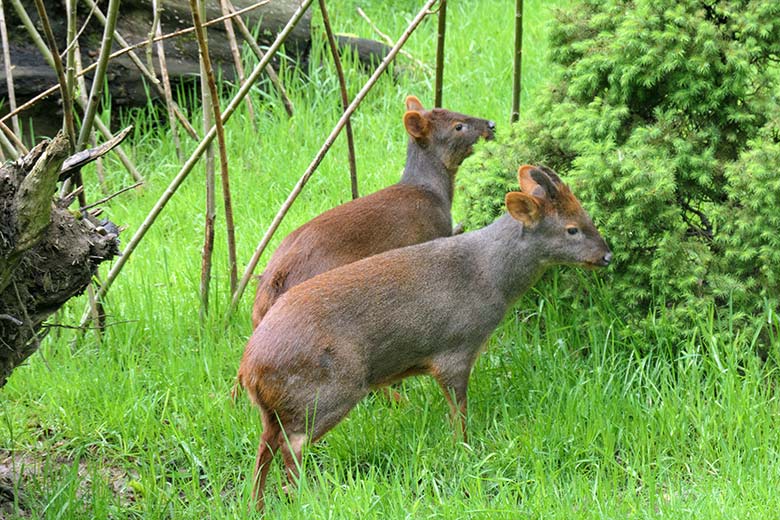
[
  {"x": 350, "y": 232},
  {"x": 415, "y": 210}
]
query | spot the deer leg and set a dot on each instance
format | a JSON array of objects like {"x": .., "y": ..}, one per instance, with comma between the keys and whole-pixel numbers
[
  {"x": 265, "y": 453},
  {"x": 292, "y": 448},
  {"x": 454, "y": 382}
]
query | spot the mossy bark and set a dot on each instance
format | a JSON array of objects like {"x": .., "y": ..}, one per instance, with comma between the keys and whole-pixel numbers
[{"x": 47, "y": 254}]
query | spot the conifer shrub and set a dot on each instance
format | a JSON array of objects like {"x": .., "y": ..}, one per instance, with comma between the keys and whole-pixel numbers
[{"x": 663, "y": 116}]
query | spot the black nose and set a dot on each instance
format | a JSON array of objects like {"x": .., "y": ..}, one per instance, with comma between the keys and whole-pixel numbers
[
  {"x": 607, "y": 258},
  {"x": 492, "y": 125}
]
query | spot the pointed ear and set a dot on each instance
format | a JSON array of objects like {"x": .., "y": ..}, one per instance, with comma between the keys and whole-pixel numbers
[
  {"x": 527, "y": 183},
  {"x": 412, "y": 103},
  {"x": 416, "y": 124},
  {"x": 523, "y": 208}
]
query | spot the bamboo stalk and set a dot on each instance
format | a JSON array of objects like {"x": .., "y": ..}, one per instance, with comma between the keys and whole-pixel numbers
[
  {"x": 210, "y": 103},
  {"x": 518, "y": 62},
  {"x": 100, "y": 73},
  {"x": 9, "y": 76},
  {"x": 13, "y": 138},
  {"x": 148, "y": 72},
  {"x": 67, "y": 102},
  {"x": 7, "y": 146},
  {"x": 237, "y": 61},
  {"x": 344, "y": 97},
  {"x": 323, "y": 150},
  {"x": 275, "y": 81},
  {"x": 197, "y": 153},
  {"x": 81, "y": 100},
  {"x": 442, "y": 28},
  {"x": 82, "y": 89},
  {"x": 156, "y": 15},
  {"x": 72, "y": 46},
  {"x": 166, "y": 85},
  {"x": 70, "y": 78},
  {"x": 223, "y": 162}
]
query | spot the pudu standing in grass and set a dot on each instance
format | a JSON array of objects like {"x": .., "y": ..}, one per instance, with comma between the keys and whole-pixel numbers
[
  {"x": 414, "y": 210},
  {"x": 422, "y": 309}
]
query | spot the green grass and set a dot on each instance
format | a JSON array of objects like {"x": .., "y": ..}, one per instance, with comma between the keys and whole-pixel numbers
[{"x": 572, "y": 413}]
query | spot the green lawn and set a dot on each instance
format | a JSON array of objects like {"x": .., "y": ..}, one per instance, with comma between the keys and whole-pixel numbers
[{"x": 573, "y": 414}]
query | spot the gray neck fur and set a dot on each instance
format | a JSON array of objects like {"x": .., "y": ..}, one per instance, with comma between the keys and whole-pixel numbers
[
  {"x": 509, "y": 255},
  {"x": 425, "y": 169}
]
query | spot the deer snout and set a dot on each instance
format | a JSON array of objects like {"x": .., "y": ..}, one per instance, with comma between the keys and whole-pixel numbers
[
  {"x": 490, "y": 134},
  {"x": 606, "y": 259}
]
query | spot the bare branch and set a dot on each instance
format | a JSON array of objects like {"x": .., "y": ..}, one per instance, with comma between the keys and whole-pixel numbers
[{"x": 334, "y": 49}]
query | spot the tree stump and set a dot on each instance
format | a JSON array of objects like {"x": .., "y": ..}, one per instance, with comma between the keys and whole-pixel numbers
[{"x": 48, "y": 254}]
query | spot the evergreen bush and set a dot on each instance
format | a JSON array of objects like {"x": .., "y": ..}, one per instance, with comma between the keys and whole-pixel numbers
[{"x": 663, "y": 116}]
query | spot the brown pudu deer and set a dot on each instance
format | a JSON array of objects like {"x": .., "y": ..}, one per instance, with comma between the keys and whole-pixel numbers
[
  {"x": 414, "y": 210},
  {"x": 423, "y": 309}
]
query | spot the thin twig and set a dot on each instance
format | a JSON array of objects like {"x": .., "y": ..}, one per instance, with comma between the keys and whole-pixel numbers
[
  {"x": 198, "y": 152},
  {"x": 109, "y": 197},
  {"x": 250, "y": 40},
  {"x": 237, "y": 61},
  {"x": 9, "y": 76},
  {"x": 13, "y": 320},
  {"x": 321, "y": 154},
  {"x": 153, "y": 31},
  {"x": 166, "y": 85},
  {"x": 442, "y": 29},
  {"x": 389, "y": 40},
  {"x": 344, "y": 97},
  {"x": 133, "y": 47}
]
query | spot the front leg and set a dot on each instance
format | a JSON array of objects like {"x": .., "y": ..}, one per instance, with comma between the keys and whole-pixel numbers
[{"x": 453, "y": 378}]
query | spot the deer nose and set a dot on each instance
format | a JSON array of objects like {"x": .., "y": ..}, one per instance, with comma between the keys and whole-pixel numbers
[
  {"x": 492, "y": 125},
  {"x": 607, "y": 258}
]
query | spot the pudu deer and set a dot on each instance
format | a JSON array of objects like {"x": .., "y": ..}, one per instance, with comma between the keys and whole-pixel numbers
[
  {"x": 423, "y": 309},
  {"x": 414, "y": 210}
]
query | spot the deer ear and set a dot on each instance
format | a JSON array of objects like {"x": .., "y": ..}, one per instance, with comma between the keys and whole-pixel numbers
[
  {"x": 412, "y": 103},
  {"x": 416, "y": 124},
  {"x": 523, "y": 208},
  {"x": 527, "y": 183}
]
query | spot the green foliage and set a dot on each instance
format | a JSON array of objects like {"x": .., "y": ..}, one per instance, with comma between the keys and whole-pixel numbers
[{"x": 663, "y": 115}]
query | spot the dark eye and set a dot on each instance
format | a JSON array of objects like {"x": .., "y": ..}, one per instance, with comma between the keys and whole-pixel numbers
[
  {"x": 572, "y": 230},
  {"x": 459, "y": 127}
]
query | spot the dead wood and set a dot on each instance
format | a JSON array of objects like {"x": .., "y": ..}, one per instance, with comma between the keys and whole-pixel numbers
[{"x": 47, "y": 254}]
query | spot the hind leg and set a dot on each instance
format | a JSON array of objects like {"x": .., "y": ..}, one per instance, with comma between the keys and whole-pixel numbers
[
  {"x": 269, "y": 442},
  {"x": 292, "y": 449}
]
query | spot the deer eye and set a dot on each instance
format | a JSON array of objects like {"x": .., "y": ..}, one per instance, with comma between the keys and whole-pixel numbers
[
  {"x": 572, "y": 230},
  {"x": 459, "y": 127}
]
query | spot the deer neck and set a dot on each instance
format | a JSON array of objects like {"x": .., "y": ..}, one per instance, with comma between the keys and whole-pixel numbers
[
  {"x": 425, "y": 169},
  {"x": 511, "y": 257}
]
